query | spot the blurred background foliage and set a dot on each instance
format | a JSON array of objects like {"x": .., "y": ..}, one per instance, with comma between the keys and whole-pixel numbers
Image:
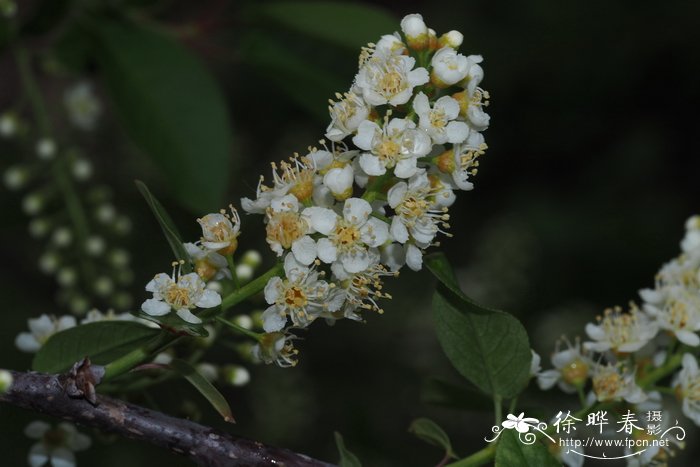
[{"x": 591, "y": 171}]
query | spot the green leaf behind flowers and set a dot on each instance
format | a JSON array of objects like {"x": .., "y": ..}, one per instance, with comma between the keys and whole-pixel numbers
[
  {"x": 430, "y": 432},
  {"x": 511, "y": 451},
  {"x": 102, "y": 341},
  {"x": 204, "y": 387},
  {"x": 488, "y": 347},
  {"x": 347, "y": 458}
]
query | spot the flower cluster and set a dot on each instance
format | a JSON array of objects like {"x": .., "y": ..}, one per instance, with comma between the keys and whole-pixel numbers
[
  {"x": 634, "y": 352},
  {"x": 374, "y": 196}
]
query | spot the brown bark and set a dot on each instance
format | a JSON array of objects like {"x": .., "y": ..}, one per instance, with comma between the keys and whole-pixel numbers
[{"x": 204, "y": 445}]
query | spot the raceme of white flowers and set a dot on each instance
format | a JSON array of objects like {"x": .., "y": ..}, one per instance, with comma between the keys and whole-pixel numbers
[{"x": 626, "y": 345}]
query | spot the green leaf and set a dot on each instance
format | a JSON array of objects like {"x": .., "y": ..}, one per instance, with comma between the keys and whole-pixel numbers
[
  {"x": 430, "y": 432},
  {"x": 444, "y": 394},
  {"x": 172, "y": 108},
  {"x": 350, "y": 25},
  {"x": 174, "y": 324},
  {"x": 488, "y": 347},
  {"x": 347, "y": 459},
  {"x": 167, "y": 225},
  {"x": 511, "y": 451},
  {"x": 103, "y": 342},
  {"x": 305, "y": 82},
  {"x": 204, "y": 387}
]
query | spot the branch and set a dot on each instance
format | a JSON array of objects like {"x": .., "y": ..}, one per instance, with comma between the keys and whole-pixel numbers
[{"x": 204, "y": 445}]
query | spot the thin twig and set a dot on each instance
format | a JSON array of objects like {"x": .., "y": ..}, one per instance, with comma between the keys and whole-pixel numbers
[{"x": 204, "y": 445}]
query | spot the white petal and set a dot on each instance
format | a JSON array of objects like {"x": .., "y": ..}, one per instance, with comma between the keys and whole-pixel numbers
[
  {"x": 449, "y": 106},
  {"x": 365, "y": 135},
  {"x": 304, "y": 250},
  {"x": 372, "y": 165},
  {"x": 456, "y": 132},
  {"x": 418, "y": 77},
  {"x": 80, "y": 442},
  {"x": 406, "y": 168},
  {"x": 285, "y": 204},
  {"x": 327, "y": 252},
  {"x": 187, "y": 315},
  {"x": 26, "y": 342},
  {"x": 414, "y": 258},
  {"x": 547, "y": 379},
  {"x": 421, "y": 104},
  {"x": 62, "y": 457},
  {"x": 209, "y": 299},
  {"x": 155, "y": 307},
  {"x": 688, "y": 338},
  {"x": 375, "y": 232},
  {"x": 398, "y": 230},
  {"x": 273, "y": 320},
  {"x": 272, "y": 290},
  {"x": 396, "y": 194},
  {"x": 339, "y": 180},
  {"x": 41, "y": 326},
  {"x": 38, "y": 455},
  {"x": 321, "y": 219},
  {"x": 36, "y": 429},
  {"x": 356, "y": 210},
  {"x": 356, "y": 261}
]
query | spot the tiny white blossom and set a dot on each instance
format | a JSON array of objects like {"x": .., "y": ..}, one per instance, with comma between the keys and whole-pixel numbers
[
  {"x": 276, "y": 347},
  {"x": 448, "y": 67},
  {"x": 349, "y": 238},
  {"x": 181, "y": 293},
  {"x": 209, "y": 264},
  {"x": 84, "y": 108},
  {"x": 220, "y": 231},
  {"x": 416, "y": 31},
  {"x": 679, "y": 314},
  {"x": 56, "y": 445},
  {"x": 301, "y": 296},
  {"x": 621, "y": 332},
  {"x": 571, "y": 368},
  {"x": 346, "y": 116},
  {"x": 40, "y": 329},
  {"x": 397, "y": 144},
  {"x": 687, "y": 385},
  {"x": 389, "y": 79},
  {"x": 614, "y": 383},
  {"x": 287, "y": 229},
  {"x": 439, "y": 120}
]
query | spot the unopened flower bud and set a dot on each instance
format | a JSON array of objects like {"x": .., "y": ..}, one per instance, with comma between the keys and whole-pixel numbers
[
  {"x": 5, "y": 380},
  {"x": 105, "y": 213},
  {"x": 66, "y": 276},
  {"x": 39, "y": 227},
  {"x": 46, "y": 148},
  {"x": 78, "y": 304},
  {"x": 103, "y": 286},
  {"x": 15, "y": 178},
  {"x": 244, "y": 321},
  {"x": 244, "y": 272},
  {"x": 48, "y": 262},
  {"x": 236, "y": 375},
  {"x": 62, "y": 237},
  {"x": 33, "y": 203},
  {"x": 416, "y": 31},
  {"x": 209, "y": 371},
  {"x": 82, "y": 169},
  {"x": 252, "y": 258},
  {"x": 451, "y": 39},
  {"x": 119, "y": 258},
  {"x": 8, "y": 125}
]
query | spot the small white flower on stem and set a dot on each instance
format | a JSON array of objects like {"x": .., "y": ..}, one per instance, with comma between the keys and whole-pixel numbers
[
  {"x": 56, "y": 445},
  {"x": 209, "y": 264},
  {"x": 40, "y": 329},
  {"x": 349, "y": 238},
  {"x": 301, "y": 296},
  {"x": 691, "y": 240},
  {"x": 416, "y": 214},
  {"x": 396, "y": 145},
  {"x": 220, "y": 231},
  {"x": 295, "y": 177},
  {"x": 288, "y": 229},
  {"x": 84, "y": 108},
  {"x": 439, "y": 120},
  {"x": 390, "y": 44},
  {"x": 276, "y": 347},
  {"x": 448, "y": 67},
  {"x": 679, "y": 314},
  {"x": 571, "y": 368},
  {"x": 346, "y": 115},
  {"x": 416, "y": 31},
  {"x": 389, "y": 79},
  {"x": 687, "y": 386},
  {"x": 179, "y": 293},
  {"x": 614, "y": 383},
  {"x": 620, "y": 332},
  {"x": 462, "y": 161}
]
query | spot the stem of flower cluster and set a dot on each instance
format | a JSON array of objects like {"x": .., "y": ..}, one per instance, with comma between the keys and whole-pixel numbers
[{"x": 232, "y": 268}]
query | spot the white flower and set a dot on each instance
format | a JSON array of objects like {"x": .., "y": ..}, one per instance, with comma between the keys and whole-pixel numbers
[
  {"x": 395, "y": 255},
  {"x": 687, "y": 385},
  {"x": 83, "y": 106},
  {"x": 614, "y": 383},
  {"x": 209, "y": 264},
  {"x": 691, "y": 241},
  {"x": 571, "y": 368},
  {"x": 451, "y": 39},
  {"x": 389, "y": 79},
  {"x": 621, "y": 332},
  {"x": 301, "y": 296},
  {"x": 390, "y": 44},
  {"x": 439, "y": 121},
  {"x": 41, "y": 329},
  {"x": 295, "y": 177},
  {"x": 449, "y": 67},
  {"x": 416, "y": 214},
  {"x": 348, "y": 238},
  {"x": 181, "y": 293},
  {"x": 276, "y": 347},
  {"x": 56, "y": 445},
  {"x": 362, "y": 289},
  {"x": 220, "y": 231},
  {"x": 461, "y": 161},
  {"x": 288, "y": 229},
  {"x": 398, "y": 145},
  {"x": 346, "y": 116},
  {"x": 679, "y": 314}
]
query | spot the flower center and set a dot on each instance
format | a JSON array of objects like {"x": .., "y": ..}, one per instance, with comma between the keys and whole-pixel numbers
[
  {"x": 178, "y": 297},
  {"x": 607, "y": 385},
  {"x": 575, "y": 373},
  {"x": 285, "y": 228},
  {"x": 295, "y": 297},
  {"x": 391, "y": 83},
  {"x": 387, "y": 150},
  {"x": 413, "y": 207},
  {"x": 437, "y": 119},
  {"x": 346, "y": 235}
]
